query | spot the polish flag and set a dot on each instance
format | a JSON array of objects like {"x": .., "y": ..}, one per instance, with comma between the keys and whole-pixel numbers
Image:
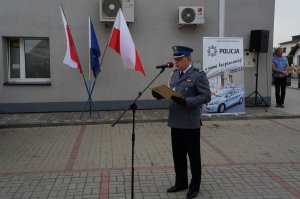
[
  {"x": 121, "y": 41},
  {"x": 71, "y": 58}
]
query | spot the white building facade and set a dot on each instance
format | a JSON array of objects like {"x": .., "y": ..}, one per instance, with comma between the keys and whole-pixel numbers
[{"x": 288, "y": 46}]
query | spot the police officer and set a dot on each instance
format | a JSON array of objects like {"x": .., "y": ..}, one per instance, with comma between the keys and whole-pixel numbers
[{"x": 184, "y": 119}]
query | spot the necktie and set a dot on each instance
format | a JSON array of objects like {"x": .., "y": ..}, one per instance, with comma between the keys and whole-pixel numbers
[{"x": 181, "y": 74}]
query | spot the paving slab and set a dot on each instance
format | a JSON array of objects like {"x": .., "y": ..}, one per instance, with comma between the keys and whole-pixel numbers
[{"x": 240, "y": 158}]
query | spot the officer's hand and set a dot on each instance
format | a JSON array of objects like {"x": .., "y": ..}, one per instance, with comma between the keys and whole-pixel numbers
[
  {"x": 156, "y": 95},
  {"x": 179, "y": 100}
]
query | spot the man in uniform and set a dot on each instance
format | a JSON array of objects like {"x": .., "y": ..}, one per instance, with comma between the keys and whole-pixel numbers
[{"x": 184, "y": 119}]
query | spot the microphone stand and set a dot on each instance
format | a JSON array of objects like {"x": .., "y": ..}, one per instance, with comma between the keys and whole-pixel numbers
[{"x": 133, "y": 107}]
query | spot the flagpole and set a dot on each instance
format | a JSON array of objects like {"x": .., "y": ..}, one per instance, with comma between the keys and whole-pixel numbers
[
  {"x": 89, "y": 66},
  {"x": 89, "y": 48},
  {"x": 91, "y": 87},
  {"x": 102, "y": 58},
  {"x": 105, "y": 48},
  {"x": 82, "y": 74},
  {"x": 100, "y": 64}
]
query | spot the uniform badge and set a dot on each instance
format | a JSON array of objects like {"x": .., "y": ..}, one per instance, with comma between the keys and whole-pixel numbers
[{"x": 175, "y": 49}]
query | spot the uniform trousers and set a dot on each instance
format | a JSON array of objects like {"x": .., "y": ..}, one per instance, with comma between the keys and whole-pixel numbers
[{"x": 187, "y": 142}]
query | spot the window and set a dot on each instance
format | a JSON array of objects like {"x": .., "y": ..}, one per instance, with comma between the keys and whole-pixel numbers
[
  {"x": 284, "y": 50},
  {"x": 29, "y": 60},
  {"x": 230, "y": 79}
]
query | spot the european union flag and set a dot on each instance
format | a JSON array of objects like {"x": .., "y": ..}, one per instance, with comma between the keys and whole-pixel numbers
[{"x": 94, "y": 51}]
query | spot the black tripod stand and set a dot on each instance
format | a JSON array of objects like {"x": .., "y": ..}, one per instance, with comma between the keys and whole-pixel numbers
[
  {"x": 256, "y": 93},
  {"x": 133, "y": 107}
]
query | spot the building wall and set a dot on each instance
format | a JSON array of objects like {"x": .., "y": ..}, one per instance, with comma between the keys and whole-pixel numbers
[
  {"x": 296, "y": 58},
  {"x": 241, "y": 18},
  {"x": 154, "y": 32},
  {"x": 288, "y": 48}
]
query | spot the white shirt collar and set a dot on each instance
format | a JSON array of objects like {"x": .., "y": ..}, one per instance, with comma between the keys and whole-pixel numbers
[{"x": 187, "y": 69}]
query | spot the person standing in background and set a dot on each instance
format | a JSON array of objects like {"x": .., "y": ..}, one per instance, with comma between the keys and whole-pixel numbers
[{"x": 279, "y": 67}]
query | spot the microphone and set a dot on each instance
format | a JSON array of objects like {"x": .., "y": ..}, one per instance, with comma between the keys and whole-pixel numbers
[{"x": 167, "y": 65}]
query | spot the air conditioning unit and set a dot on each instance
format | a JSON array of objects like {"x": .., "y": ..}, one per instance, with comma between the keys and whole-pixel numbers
[
  {"x": 109, "y": 10},
  {"x": 191, "y": 15}
]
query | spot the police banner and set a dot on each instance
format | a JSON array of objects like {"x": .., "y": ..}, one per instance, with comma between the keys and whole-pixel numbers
[{"x": 223, "y": 60}]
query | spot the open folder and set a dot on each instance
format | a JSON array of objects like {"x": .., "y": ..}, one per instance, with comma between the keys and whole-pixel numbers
[{"x": 165, "y": 92}]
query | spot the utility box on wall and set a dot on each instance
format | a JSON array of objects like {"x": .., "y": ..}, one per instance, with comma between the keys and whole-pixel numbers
[
  {"x": 249, "y": 59},
  {"x": 191, "y": 15},
  {"x": 109, "y": 10}
]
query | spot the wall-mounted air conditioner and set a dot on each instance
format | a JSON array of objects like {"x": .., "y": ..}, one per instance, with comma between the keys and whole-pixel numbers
[
  {"x": 109, "y": 10},
  {"x": 191, "y": 15}
]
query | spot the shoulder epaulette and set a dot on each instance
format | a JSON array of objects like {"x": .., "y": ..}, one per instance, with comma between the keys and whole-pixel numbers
[{"x": 199, "y": 70}]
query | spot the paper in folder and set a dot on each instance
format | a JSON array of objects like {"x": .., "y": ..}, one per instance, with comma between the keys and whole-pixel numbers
[{"x": 165, "y": 92}]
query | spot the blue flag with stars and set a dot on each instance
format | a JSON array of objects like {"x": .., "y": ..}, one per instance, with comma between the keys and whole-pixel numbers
[{"x": 94, "y": 51}]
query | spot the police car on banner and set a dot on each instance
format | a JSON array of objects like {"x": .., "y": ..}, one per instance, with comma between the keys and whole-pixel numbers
[{"x": 224, "y": 99}]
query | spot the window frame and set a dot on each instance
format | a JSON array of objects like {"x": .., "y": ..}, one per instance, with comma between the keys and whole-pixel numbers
[
  {"x": 23, "y": 79},
  {"x": 284, "y": 50}
]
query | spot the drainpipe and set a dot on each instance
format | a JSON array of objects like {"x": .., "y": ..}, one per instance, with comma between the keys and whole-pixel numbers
[{"x": 221, "y": 18}]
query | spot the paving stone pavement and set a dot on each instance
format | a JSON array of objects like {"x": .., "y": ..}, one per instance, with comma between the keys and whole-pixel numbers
[
  {"x": 56, "y": 155},
  {"x": 256, "y": 158}
]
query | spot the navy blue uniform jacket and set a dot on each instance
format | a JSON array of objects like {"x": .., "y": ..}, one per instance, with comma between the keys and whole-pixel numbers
[{"x": 194, "y": 86}]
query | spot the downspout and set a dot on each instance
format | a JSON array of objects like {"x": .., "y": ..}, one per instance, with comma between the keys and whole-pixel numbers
[{"x": 221, "y": 18}]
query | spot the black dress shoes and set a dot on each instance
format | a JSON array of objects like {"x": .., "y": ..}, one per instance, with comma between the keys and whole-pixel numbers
[
  {"x": 176, "y": 188},
  {"x": 192, "y": 194}
]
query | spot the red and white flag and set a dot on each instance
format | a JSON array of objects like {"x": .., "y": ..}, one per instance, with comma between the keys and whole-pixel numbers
[
  {"x": 121, "y": 41},
  {"x": 71, "y": 58}
]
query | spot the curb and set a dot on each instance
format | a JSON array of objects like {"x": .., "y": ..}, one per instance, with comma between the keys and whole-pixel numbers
[{"x": 127, "y": 121}]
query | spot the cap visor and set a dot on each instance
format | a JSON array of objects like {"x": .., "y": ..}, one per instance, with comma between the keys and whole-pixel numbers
[{"x": 178, "y": 56}]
